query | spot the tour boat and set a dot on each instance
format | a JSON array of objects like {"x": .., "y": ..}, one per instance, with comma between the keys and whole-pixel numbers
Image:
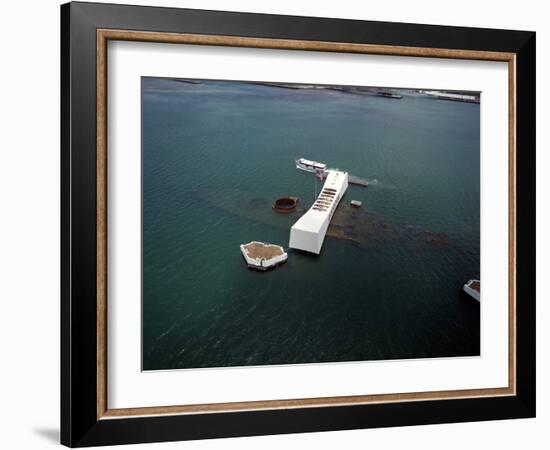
[{"x": 310, "y": 166}]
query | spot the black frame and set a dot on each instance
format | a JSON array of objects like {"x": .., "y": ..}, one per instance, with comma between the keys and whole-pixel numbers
[{"x": 79, "y": 423}]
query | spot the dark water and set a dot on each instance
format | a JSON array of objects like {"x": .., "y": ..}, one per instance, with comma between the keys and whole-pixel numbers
[{"x": 387, "y": 283}]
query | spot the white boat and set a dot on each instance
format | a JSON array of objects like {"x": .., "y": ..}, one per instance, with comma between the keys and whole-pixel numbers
[
  {"x": 473, "y": 289},
  {"x": 310, "y": 166}
]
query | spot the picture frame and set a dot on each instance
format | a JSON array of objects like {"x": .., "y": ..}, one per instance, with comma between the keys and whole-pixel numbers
[{"x": 86, "y": 418}]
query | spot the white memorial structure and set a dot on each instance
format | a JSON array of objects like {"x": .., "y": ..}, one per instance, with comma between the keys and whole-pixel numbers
[{"x": 308, "y": 233}]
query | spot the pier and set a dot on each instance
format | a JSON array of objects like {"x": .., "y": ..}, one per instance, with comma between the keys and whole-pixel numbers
[{"x": 352, "y": 179}]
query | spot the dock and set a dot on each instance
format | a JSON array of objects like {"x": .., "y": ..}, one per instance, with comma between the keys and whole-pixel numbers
[
  {"x": 321, "y": 170},
  {"x": 352, "y": 179}
]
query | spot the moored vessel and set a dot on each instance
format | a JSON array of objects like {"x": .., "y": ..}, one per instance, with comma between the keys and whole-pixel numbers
[
  {"x": 310, "y": 166},
  {"x": 473, "y": 289},
  {"x": 320, "y": 170}
]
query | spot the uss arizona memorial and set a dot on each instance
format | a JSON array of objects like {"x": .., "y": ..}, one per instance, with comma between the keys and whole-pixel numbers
[{"x": 308, "y": 233}]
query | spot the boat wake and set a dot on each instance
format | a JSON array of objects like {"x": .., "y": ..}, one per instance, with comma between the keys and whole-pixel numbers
[{"x": 380, "y": 184}]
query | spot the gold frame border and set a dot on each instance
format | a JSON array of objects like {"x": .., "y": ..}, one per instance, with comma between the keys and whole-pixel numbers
[{"x": 103, "y": 36}]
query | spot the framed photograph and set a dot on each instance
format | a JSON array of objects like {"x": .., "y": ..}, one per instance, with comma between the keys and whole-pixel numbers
[{"x": 276, "y": 224}]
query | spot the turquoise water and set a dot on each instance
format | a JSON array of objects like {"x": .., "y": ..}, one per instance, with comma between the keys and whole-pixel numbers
[{"x": 216, "y": 155}]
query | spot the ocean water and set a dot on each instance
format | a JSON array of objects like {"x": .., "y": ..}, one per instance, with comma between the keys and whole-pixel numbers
[{"x": 215, "y": 155}]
